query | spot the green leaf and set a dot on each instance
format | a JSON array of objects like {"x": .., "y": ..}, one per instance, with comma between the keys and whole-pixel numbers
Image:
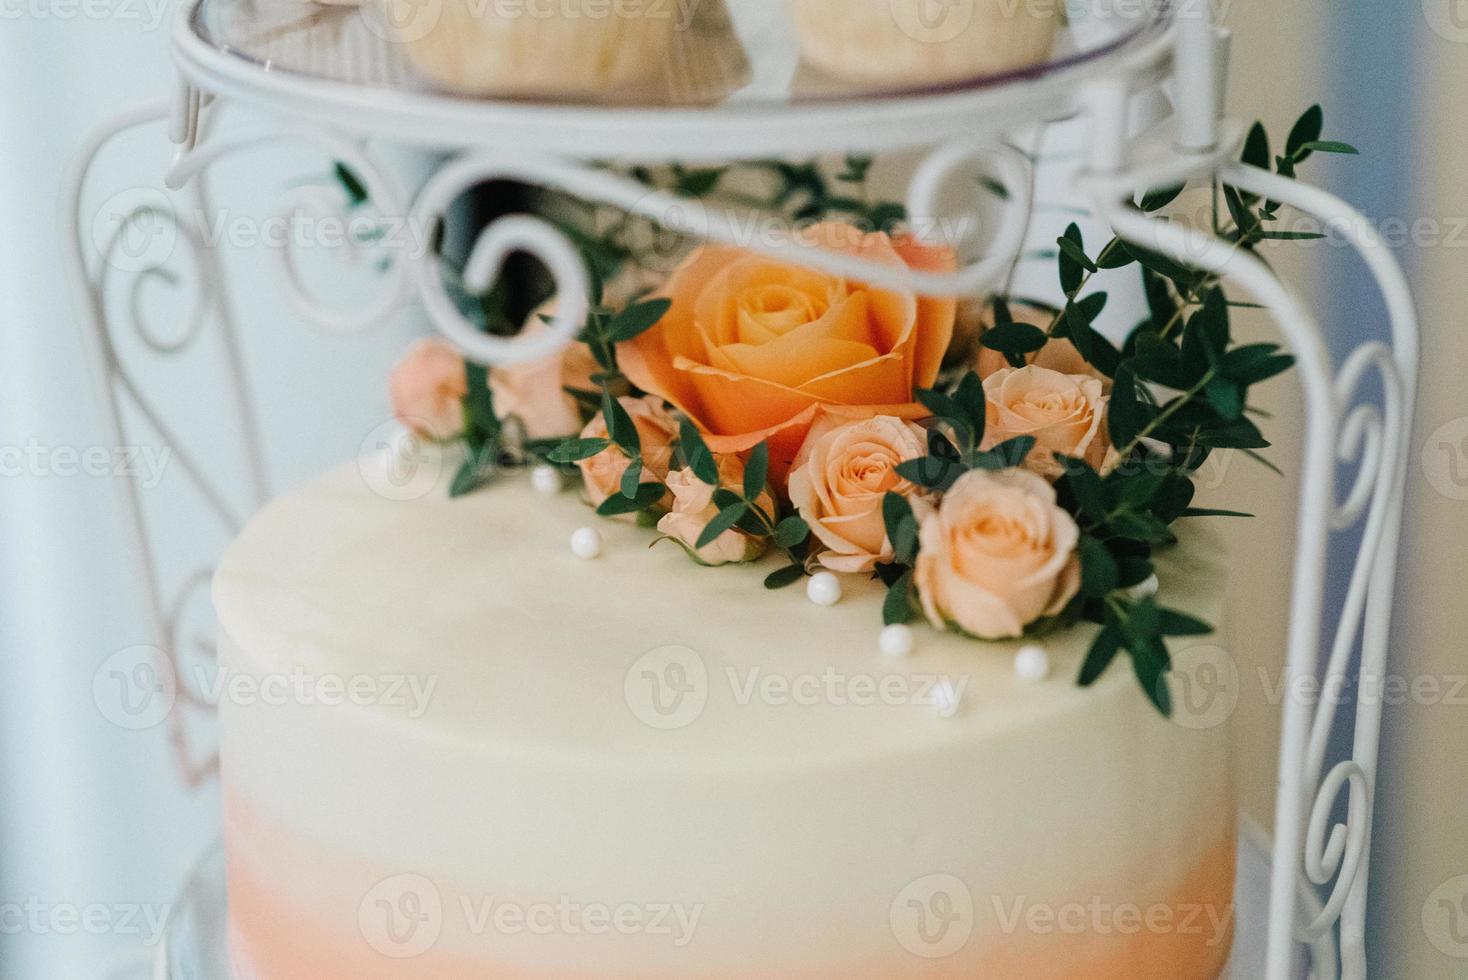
[
  {"x": 1126, "y": 415},
  {"x": 1256, "y": 147},
  {"x": 1072, "y": 271},
  {"x": 897, "y": 607},
  {"x": 1099, "y": 573},
  {"x": 1226, "y": 398},
  {"x": 966, "y": 425},
  {"x": 1244, "y": 220},
  {"x": 1006, "y": 455},
  {"x": 757, "y": 472},
  {"x": 632, "y": 478},
  {"x": 468, "y": 479},
  {"x": 930, "y": 472},
  {"x": 1160, "y": 361},
  {"x": 788, "y": 575},
  {"x": 1136, "y": 489},
  {"x": 1073, "y": 249},
  {"x": 970, "y": 398},
  {"x": 723, "y": 521},
  {"x": 1114, "y": 255},
  {"x": 696, "y": 453},
  {"x": 1212, "y": 512},
  {"x": 1306, "y": 130},
  {"x": 1160, "y": 198},
  {"x": 575, "y": 450},
  {"x": 619, "y": 425},
  {"x": 1014, "y": 338},
  {"x": 791, "y": 531},
  {"x": 637, "y": 319},
  {"x": 351, "y": 183},
  {"x": 901, "y": 527},
  {"x": 699, "y": 183},
  {"x": 1085, "y": 486},
  {"x": 1152, "y": 664},
  {"x": 647, "y": 495},
  {"x": 1104, "y": 649},
  {"x": 1171, "y": 622},
  {"x": 1254, "y": 363},
  {"x": 1329, "y": 146}
]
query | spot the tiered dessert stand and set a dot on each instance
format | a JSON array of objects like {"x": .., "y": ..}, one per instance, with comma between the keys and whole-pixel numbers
[{"x": 337, "y": 83}]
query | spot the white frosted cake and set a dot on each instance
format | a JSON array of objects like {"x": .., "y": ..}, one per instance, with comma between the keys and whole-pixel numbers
[{"x": 635, "y": 767}]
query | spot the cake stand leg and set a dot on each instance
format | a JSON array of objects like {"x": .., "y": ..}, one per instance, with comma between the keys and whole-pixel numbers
[
  {"x": 1304, "y": 836},
  {"x": 92, "y": 274}
]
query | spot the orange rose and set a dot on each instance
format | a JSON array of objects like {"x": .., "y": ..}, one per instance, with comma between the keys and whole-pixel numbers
[
  {"x": 840, "y": 478},
  {"x": 997, "y": 555},
  {"x": 1066, "y": 413},
  {"x": 693, "y": 508},
  {"x": 428, "y": 388},
  {"x": 752, "y": 347},
  {"x": 535, "y": 393},
  {"x": 656, "y": 427}
]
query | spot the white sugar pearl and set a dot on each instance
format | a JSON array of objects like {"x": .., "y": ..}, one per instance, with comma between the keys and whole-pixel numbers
[
  {"x": 1144, "y": 589},
  {"x": 824, "y": 589},
  {"x": 1032, "y": 663},
  {"x": 945, "y": 698},
  {"x": 897, "y": 640},
  {"x": 546, "y": 480},
  {"x": 586, "y": 543}
]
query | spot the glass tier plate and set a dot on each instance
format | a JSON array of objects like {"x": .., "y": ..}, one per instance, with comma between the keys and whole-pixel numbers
[{"x": 733, "y": 52}]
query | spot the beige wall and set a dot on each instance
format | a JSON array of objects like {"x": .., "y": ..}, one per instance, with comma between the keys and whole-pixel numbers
[
  {"x": 1422, "y": 846},
  {"x": 1419, "y": 916}
]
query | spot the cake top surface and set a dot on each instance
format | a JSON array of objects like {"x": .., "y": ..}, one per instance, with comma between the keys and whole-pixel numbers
[{"x": 478, "y": 616}]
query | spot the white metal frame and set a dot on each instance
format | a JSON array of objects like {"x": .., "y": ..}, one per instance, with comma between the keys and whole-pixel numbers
[{"x": 1318, "y": 891}]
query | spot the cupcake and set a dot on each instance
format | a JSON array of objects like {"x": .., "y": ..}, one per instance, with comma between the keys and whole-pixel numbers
[
  {"x": 923, "y": 42},
  {"x": 569, "y": 48}
]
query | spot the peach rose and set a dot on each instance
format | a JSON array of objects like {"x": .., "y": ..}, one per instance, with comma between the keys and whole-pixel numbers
[
  {"x": 656, "y": 427},
  {"x": 1066, "y": 413},
  {"x": 535, "y": 393},
  {"x": 1059, "y": 354},
  {"x": 752, "y": 346},
  {"x": 997, "y": 555},
  {"x": 428, "y": 388},
  {"x": 839, "y": 479},
  {"x": 693, "y": 508}
]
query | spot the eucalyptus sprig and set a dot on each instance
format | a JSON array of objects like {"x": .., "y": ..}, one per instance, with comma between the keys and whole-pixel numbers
[{"x": 742, "y": 509}]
